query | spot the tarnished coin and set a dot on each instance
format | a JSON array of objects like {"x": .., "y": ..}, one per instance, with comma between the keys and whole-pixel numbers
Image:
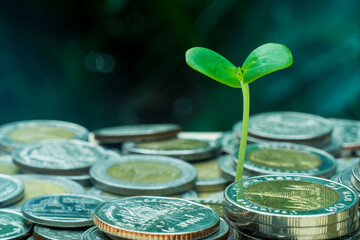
[
  {"x": 140, "y": 132},
  {"x": 13, "y": 225},
  {"x": 156, "y": 218},
  {"x": 39, "y": 185},
  {"x": 290, "y": 201},
  {"x": 94, "y": 233},
  {"x": 209, "y": 176},
  {"x": 17, "y": 134},
  {"x": 183, "y": 148},
  {"x": 47, "y": 233},
  {"x": 11, "y": 190},
  {"x": 287, "y": 158},
  {"x": 94, "y": 191},
  {"x": 349, "y": 131},
  {"x": 61, "y": 210},
  {"x": 142, "y": 174},
  {"x": 62, "y": 157}
]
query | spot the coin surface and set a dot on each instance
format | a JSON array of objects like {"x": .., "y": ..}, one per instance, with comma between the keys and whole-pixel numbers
[
  {"x": 17, "y": 134},
  {"x": 355, "y": 177},
  {"x": 287, "y": 158},
  {"x": 300, "y": 201},
  {"x": 229, "y": 143},
  {"x": 63, "y": 157},
  {"x": 119, "y": 134},
  {"x": 94, "y": 233},
  {"x": 222, "y": 233},
  {"x": 156, "y": 218},
  {"x": 11, "y": 190},
  {"x": 349, "y": 131},
  {"x": 41, "y": 232},
  {"x": 61, "y": 210},
  {"x": 13, "y": 225},
  {"x": 345, "y": 178},
  {"x": 142, "y": 174},
  {"x": 39, "y": 185},
  {"x": 209, "y": 176},
  {"x": 183, "y": 148},
  {"x": 227, "y": 167}
]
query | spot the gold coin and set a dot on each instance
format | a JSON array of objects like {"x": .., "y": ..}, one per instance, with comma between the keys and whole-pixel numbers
[
  {"x": 173, "y": 144},
  {"x": 207, "y": 169},
  {"x": 37, "y": 133},
  {"x": 285, "y": 159},
  {"x": 291, "y": 195},
  {"x": 144, "y": 172}
]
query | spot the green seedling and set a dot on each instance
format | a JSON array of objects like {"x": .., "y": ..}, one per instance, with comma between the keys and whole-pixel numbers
[{"x": 265, "y": 59}]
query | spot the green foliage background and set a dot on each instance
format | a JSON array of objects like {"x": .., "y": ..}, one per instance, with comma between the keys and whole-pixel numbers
[{"x": 48, "y": 69}]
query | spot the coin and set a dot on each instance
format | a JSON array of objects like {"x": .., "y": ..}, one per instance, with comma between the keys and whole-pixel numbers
[
  {"x": 17, "y": 134},
  {"x": 61, "y": 210},
  {"x": 229, "y": 143},
  {"x": 287, "y": 158},
  {"x": 214, "y": 204},
  {"x": 156, "y": 218},
  {"x": 183, "y": 148},
  {"x": 11, "y": 190},
  {"x": 209, "y": 176},
  {"x": 349, "y": 131},
  {"x": 344, "y": 163},
  {"x": 355, "y": 177},
  {"x": 94, "y": 233},
  {"x": 222, "y": 233},
  {"x": 63, "y": 157},
  {"x": 39, "y": 185},
  {"x": 7, "y": 167},
  {"x": 142, "y": 174},
  {"x": 120, "y": 134},
  {"x": 290, "y": 201},
  {"x": 47, "y": 233},
  {"x": 13, "y": 225},
  {"x": 345, "y": 178},
  {"x": 228, "y": 168}
]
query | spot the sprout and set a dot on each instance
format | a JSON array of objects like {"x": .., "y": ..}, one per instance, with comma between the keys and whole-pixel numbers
[{"x": 265, "y": 59}]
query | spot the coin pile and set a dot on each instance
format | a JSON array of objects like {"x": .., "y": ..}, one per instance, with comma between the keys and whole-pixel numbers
[{"x": 291, "y": 207}]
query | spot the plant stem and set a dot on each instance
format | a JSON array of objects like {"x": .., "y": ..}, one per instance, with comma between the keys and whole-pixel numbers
[{"x": 244, "y": 131}]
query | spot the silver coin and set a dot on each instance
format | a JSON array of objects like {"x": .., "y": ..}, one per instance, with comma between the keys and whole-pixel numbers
[
  {"x": 214, "y": 203},
  {"x": 94, "y": 233},
  {"x": 64, "y": 157},
  {"x": 119, "y": 134},
  {"x": 41, "y": 232},
  {"x": 156, "y": 217},
  {"x": 11, "y": 190},
  {"x": 13, "y": 225},
  {"x": 345, "y": 178},
  {"x": 287, "y": 158},
  {"x": 17, "y": 134},
  {"x": 344, "y": 163},
  {"x": 142, "y": 174},
  {"x": 290, "y": 201},
  {"x": 228, "y": 168},
  {"x": 229, "y": 143},
  {"x": 209, "y": 177},
  {"x": 355, "y": 177},
  {"x": 183, "y": 148},
  {"x": 349, "y": 131},
  {"x": 222, "y": 233},
  {"x": 94, "y": 191},
  {"x": 61, "y": 210}
]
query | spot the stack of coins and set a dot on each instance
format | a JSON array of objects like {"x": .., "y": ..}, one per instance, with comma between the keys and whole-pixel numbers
[
  {"x": 158, "y": 218},
  {"x": 18, "y": 134},
  {"x": 287, "y": 158},
  {"x": 293, "y": 127},
  {"x": 13, "y": 225},
  {"x": 349, "y": 132},
  {"x": 291, "y": 207}
]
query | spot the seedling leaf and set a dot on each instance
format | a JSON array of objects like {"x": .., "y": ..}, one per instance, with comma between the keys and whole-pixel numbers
[
  {"x": 265, "y": 59},
  {"x": 213, "y": 65}
]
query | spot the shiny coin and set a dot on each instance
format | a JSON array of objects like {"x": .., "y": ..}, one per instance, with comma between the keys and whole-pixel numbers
[
  {"x": 355, "y": 177},
  {"x": 39, "y": 185},
  {"x": 94, "y": 233},
  {"x": 136, "y": 133},
  {"x": 229, "y": 143},
  {"x": 11, "y": 190},
  {"x": 209, "y": 176},
  {"x": 156, "y": 218},
  {"x": 214, "y": 204},
  {"x": 290, "y": 201},
  {"x": 345, "y": 178},
  {"x": 344, "y": 163},
  {"x": 47, "y": 233},
  {"x": 228, "y": 168},
  {"x": 183, "y": 148},
  {"x": 13, "y": 225},
  {"x": 63, "y": 157},
  {"x": 18, "y": 134},
  {"x": 142, "y": 174},
  {"x": 349, "y": 131},
  {"x": 287, "y": 158},
  {"x": 94, "y": 191},
  {"x": 222, "y": 233},
  {"x": 61, "y": 210}
]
